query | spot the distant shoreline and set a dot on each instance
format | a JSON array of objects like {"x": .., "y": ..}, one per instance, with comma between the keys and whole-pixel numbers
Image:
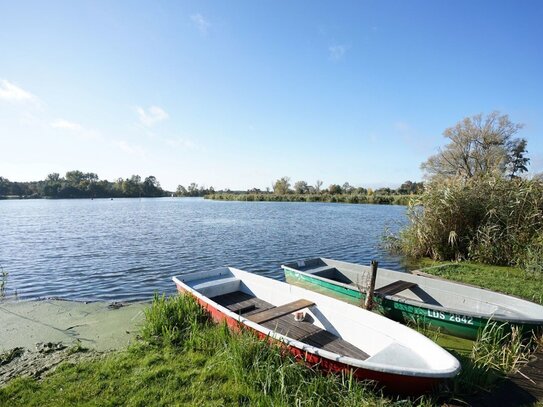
[
  {"x": 327, "y": 198},
  {"x": 24, "y": 198}
]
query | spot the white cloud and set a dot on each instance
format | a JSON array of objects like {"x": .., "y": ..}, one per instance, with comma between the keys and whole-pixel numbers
[
  {"x": 201, "y": 23},
  {"x": 135, "y": 150},
  {"x": 66, "y": 125},
  {"x": 12, "y": 93},
  {"x": 75, "y": 128},
  {"x": 152, "y": 115},
  {"x": 336, "y": 52}
]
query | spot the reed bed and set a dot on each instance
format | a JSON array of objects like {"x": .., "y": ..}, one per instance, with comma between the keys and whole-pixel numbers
[
  {"x": 489, "y": 220},
  {"x": 338, "y": 198}
]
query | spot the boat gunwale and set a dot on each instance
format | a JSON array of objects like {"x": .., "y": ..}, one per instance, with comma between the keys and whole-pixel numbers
[
  {"x": 319, "y": 352},
  {"x": 421, "y": 304}
]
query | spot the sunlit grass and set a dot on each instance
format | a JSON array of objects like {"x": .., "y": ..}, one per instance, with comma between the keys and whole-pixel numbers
[
  {"x": 185, "y": 359},
  {"x": 507, "y": 280}
]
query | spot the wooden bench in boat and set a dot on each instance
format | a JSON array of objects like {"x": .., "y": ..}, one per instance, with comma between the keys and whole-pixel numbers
[
  {"x": 242, "y": 303},
  {"x": 394, "y": 288},
  {"x": 303, "y": 331},
  {"x": 277, "y": 312}
]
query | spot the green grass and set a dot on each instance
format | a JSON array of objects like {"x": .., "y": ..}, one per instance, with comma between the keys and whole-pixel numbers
[
  {"x": 507, "y": 280},
  {"x": 185, "y": 359}
]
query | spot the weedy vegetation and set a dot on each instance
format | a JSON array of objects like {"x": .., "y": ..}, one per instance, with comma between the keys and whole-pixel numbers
[
  {"x": 487, "y": 219},
  {"x": 323, "y": 197},
  {"x": 185, "y": 359}
]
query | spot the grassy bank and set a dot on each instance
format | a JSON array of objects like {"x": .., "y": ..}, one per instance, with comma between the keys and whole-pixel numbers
[
  {"x": 507, "y": 280},
  {"x": 184, "y": 359},
  {"x": 339, "y": 198}
]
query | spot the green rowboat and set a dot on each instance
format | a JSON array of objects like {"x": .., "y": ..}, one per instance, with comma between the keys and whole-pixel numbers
[{"x": 453, "y": 308}]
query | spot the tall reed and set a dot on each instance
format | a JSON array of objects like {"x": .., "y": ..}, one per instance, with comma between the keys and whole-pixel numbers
[{"x": 489, "y": 219}]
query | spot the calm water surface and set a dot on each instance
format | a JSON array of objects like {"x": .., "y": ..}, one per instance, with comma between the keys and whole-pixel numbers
[{"x": 126, "y": 249}]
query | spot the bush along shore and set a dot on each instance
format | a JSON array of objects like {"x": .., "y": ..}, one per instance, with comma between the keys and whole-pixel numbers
[
  {"x": 488, "y": 219},
  {"x": 324, "y": 197},
  {"x": 183, "y": 358}
]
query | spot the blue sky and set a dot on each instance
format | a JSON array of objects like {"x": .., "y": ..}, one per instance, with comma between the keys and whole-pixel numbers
[{"x": 237, "y": 94}]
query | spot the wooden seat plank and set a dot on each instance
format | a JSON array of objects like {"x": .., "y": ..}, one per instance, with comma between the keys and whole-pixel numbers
[
  {"x": 394, "y": 288},
  {"x": 279, "y": 311},
  {"x": 242, "y": 303},
  {"x": 306, "y": 332}
]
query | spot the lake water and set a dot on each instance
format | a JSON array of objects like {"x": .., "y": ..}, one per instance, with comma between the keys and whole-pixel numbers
[{"x": 126, "y": 249}]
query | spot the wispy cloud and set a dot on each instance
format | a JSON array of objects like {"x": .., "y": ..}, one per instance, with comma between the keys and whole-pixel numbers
[
  {"x": 13, "y": 93},
  {"x": 131, "y": 149},
  {"x": 66, "y": 125},
  {"x": 75, "y": 128},
  {"x": 200, "y": 23},
  {"x": 337, "y": 52},
  {"x": 152, "y": 115}
]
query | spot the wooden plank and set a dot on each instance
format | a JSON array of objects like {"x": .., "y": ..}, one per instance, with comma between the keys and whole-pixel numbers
[
  {"x": 530, "y": 377},
  {"x": 306, "y": 332},
  {"x": 288, "y": 326},
  {"x": 242, "y": 303},
  {"x": 394, "y": 288},
  {"x": 285, "y": 324},
  {"x": 277, "y": 312}
]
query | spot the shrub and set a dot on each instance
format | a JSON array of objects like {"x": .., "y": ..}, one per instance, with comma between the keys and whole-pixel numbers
[{"x": 490, "y": 220}]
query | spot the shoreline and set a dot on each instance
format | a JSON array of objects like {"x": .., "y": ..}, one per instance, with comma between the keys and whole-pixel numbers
[
  {"x": 401, "y": 200},
  {"x": 37, "y": 336}
]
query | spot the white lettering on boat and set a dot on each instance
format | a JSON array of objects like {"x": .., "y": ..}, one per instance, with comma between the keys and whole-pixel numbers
[{"x": 451, "y": 317}]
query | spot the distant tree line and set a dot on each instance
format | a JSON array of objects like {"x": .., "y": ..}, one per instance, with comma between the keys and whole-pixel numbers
[
  {"x": 77, "y": 184},
  {"x": 193, "y": 190},
  {"x": 282, "y": 186},
  {"x": 301, "y": 191}
]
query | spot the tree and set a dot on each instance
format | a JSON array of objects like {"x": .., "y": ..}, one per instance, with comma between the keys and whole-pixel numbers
[
  {"x": 318, "y": 186},
  {"x": 478, "y": 146},
  {"x": 281, "y": 186},
  {"x": 132, "y": 186},
  {"x": 409, "y": 187},
  {"x": 334, "y": 189},
  {"x": 53, "y": 184},
  {"x": 193, "y": 189},
  {"x": 361, "y": 191},
  {"x": 74, "y": 178},
  {"x": 300, "y": 187},
  {"x": 347, "y": 188},
  {"x": 518, "y": 163},
  {"x": 4, "y": 186},
  {"x": 383, "y": 191},
  {"x": 151, "y": 187},
  {"x": 181, "y": 191}
]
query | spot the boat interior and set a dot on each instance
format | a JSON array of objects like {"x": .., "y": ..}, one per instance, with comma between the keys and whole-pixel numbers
[
  {"x": 327, "y": 324},
  {"x": 281, "y": 320},
  {"x": 433, "y": 292}
]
